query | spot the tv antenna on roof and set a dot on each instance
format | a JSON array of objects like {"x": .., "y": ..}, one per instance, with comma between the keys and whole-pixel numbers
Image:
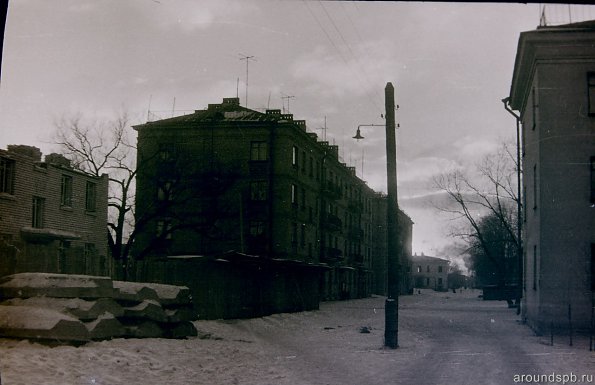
[
  {"x": 323, "y": 130},
  {"x": 286, "y": 97},
  {"x": 247, "y": 58}
]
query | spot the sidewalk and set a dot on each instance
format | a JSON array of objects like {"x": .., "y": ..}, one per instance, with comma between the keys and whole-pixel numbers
[{"x": 445, "y": 338}]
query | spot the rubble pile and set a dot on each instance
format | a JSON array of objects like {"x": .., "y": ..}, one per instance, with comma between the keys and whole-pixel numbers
[{"x": 81, "y": 308}]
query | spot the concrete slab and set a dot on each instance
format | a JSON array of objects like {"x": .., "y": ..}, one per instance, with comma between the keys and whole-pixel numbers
[
  {"x": 84, "y": 310},
  {"x": 25, "y": 285},
  {"x": 171, "y": 295},
  {"x": 105, "y": 327},
  {"x": 181, "y": 314},
  {"x": 148, "y": 309},
  {"x": 133, "y": 292},
  {"x": 40, "y": 324},
  {"x": 147, "y": 329}
]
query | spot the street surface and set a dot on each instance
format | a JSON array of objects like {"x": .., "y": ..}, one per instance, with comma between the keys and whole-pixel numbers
[{"x": 445, "y": 338}]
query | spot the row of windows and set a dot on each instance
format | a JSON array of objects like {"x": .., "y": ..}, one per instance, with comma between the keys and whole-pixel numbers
[
  {"x": 419, "y": 269},
  {"x": 66, "y": 194}
]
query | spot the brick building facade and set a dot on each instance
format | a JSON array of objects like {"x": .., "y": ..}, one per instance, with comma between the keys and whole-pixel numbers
[{"x": 53, "y": 218}]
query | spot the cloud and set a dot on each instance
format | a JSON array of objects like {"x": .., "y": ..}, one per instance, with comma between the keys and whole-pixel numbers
[
  {"x": 189, "y": 16},
  {"x": 338, "y": 70}
]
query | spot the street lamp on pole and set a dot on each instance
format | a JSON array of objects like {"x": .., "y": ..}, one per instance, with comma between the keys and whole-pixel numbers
[{"x": 391, "y": 307}]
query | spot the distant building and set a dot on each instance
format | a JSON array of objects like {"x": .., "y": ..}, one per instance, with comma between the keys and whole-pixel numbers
[
  {"x": 429, "y": 272},
  {"x": 53, "y": 218},
  {"x": 553, "y": 88},
  {"x": 259, "y": 184}
]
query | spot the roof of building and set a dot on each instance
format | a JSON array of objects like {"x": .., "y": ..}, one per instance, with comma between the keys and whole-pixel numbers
[
  {"x": 427, "y": 258},
  {"x": 228, "y": 111},
  {"x": 547, "y": 42}
]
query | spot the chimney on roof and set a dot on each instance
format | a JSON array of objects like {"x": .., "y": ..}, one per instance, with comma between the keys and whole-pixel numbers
[{"x": 232, "y": 101}]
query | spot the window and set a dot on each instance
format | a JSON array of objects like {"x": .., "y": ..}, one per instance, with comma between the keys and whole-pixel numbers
[
  {"x": 428, "y": 269},
  {"x": 91, "y": 197},
  {"x": 66, "y": 191},
  {"x": 167, "y": 152},
  {"x": 258, "y": 190},
  {"x": 591, "y": 92},
  {"x": 592, "y": 266},
  {"x": 303, "y": 161},
  {"x": 6, "y": 175},
  {"x": 440, "y": 269},
  {"x": 534, "y": 109},
  {"x": 258, "y": 151},
  {"x": 256, "y": 228},
  {"x": 439, "y": 281},
  {"x": 311, "y": 172},
  {"x": 164, "y": 191},
  {"x": 294, "y": 156},
  {"x": 419, "y": 269},
  {"x": 37, "y": 214},
  {"x": 534, "y": 267},
  {"x": 294, "y": 233},
  {"x": 163, "y": 230},
  {"x": 303, "y": 236},
  {"x": 89, "y": 250},
  {"x": 535, "y": 187},
  {"x": 593, "y": 180},
  {"x": 293, "y": 194}
]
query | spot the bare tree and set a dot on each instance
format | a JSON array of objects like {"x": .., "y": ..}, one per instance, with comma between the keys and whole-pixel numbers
[
  {"x": 484, "y": 205},
  {"x": 105, "y": 147},
  {"x": 190, "y": 193}
]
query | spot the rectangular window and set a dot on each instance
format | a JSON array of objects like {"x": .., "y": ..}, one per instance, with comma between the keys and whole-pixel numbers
[
  {"x": 311, "y": 172},
  {"x": 534, "y": 267},
  {"x": 428, "y": 268},
  {"x": 91, "y": 197},
  {"x": 591, "y": 92},
  {"x": 303, "y": 236},
  {"x": 592, "y": 266},
  {"x": 66, "y": 191},
  {"x": 37, "y": 214},
  {"x": 258, "y": 151},
  {"x": 419, "y": 269},
  {"x": 256, "y": 228},
  {"x": 294, "y": 233},
  {"x": 7, "y": 175},
  {"x": 164, "y": 191},
  {"x": 89, "y": 250},
  {"x": 593, "y": 180},
  {"x": 303, "y": 161},
  {"x": 440, "y": 269},
  {"x": 534, "y": 109},
  {"x": 167, "y": 152},
  {"x": 534, "y": 187},
  {"x": 258, "y": 190},
  {"x": 164, "y": 228},
  {"x": 294, "y": 156},
  {"x": 294, "y": 194}
]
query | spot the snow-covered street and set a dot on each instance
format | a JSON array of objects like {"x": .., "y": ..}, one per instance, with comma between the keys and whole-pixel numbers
[{"x": 445, "y": 338}]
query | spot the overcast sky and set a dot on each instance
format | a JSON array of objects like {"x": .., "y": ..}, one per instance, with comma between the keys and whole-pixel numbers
[{"x": 450, "y": 63}]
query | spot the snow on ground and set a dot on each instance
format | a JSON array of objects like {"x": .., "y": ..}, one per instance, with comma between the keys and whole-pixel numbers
[{"x": 443, "y": 337}]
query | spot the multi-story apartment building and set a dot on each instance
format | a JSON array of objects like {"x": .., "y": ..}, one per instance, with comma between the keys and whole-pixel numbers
[
  {"x": 553, "y": 88},
  {"x": 429, "y": 272},
  {"x": 231, "y": 178},
  {"x": 53, "y": 218}
]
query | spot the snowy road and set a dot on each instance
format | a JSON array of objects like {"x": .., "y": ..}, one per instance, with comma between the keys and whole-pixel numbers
[{"x": 444, "y": 338}]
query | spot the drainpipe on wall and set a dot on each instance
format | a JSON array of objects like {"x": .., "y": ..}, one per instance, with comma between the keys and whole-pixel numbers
[{"x": 507, "y": 107}]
